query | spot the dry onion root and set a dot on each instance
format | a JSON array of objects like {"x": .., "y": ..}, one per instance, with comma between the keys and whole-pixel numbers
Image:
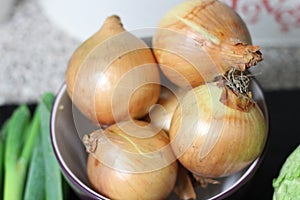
[
  {"x": 199, "y": 40},
  {"x": 218, "y": 130}
]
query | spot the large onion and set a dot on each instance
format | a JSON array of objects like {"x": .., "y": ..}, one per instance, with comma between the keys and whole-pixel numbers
[
  {"x": 113, "y": 75},
  {"x": 201, "y": 39},
  {"x": 215, "y": 132},
  {"x": 131, "y": 161}
]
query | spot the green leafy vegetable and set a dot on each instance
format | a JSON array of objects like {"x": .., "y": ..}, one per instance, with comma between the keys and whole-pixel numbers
[{"x": 287, "y": 185}]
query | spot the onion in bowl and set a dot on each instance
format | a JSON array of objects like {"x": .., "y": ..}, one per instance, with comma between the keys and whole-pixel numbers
[{"x": 134, "y": 165}]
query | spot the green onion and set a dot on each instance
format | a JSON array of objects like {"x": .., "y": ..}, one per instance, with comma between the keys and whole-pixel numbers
[
  {"x": 35, "y": 185},
  {"x": 23, "y": 142},
  {"x": 1, "y": 161},
  {"x": 52, "y": 170},
  {"x": 31, "y": 136},
  {"x": 15, "y": 171},
  {"x": 3, "y": 132}
]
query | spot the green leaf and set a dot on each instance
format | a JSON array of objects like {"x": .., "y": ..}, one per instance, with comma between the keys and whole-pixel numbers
[{"x": 287, "y": 185}]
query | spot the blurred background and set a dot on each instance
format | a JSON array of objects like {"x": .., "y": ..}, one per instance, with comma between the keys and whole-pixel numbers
[{"x": 37, "y": 38}]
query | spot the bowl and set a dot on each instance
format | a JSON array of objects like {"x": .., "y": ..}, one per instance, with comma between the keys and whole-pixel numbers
[
  {"x": 68, "y": 125},
  {"x": 271, "y": 23}
]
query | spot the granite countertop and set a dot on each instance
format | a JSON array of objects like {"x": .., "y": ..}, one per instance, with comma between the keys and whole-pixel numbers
[{"x": 34, "y": 55}]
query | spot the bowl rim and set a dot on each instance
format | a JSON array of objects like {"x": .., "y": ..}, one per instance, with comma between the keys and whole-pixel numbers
[{"x": 83, "y": 189}]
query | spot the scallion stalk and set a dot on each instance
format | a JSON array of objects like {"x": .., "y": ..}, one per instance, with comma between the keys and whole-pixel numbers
[
  {"x": 35, "y": 185},
  {"x": 3, "y": 132},
  {"x": 14, "y": 170},
  {"x": 52, "y": 171}
]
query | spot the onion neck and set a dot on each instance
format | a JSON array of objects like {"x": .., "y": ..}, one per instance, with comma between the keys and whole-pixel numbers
[
  {"x": 238, "y": 55},
  {"x": 235, "y": 101},
  {"x": 236, "y": 94},
  {"x": 111, "y": 26}
]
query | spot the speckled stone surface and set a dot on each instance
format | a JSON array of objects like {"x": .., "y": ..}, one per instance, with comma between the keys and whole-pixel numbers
[{"x": 34, "y": 55}]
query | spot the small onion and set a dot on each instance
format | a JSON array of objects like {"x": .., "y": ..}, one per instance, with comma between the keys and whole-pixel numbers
[
  {"x": 130, "y": 160},
  {"x": 113, "y": 75},
  {"x": 216, "y": 133},
  {"x": 161, "y": 113},
  {"x": 200, "y": 39}
]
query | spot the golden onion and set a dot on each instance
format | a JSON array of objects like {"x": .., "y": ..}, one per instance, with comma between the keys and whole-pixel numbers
[
  {"x": 160, "y": 115},
  {"x": 216, "y": 133},
  {"x": 130, "y": 160},
  {"x": 113, "y": 75},
  {"x": 198, "y": 40}
]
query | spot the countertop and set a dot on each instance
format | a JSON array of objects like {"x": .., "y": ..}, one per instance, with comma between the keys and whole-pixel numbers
[{"x": 35, "y": 52}]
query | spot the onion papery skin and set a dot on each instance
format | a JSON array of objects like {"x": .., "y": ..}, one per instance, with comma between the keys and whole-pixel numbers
[
  {"x": 117, "y": 176},
  {"x": 211, "y": 139},
  {"x": 161, "y": 114},
  {"x": 113, "y": 75},
  {"x": 200, "y": 39}
]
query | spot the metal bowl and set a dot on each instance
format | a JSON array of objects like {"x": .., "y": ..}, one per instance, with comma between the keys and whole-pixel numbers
[{"x": 67, "y": 122}]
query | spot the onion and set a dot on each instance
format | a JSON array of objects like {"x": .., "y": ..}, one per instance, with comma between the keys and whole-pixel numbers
[
  {"x": 160, "y": 114},
  {"x": 113, "y": 75},
  {"x": 130, "y": 160},
  {"x": 199, "y": 40},
  {"x": 217, "y": 131}
]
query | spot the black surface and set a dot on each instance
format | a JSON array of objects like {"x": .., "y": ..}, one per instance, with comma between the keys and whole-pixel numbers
[{"x": 284, "y": 137}]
